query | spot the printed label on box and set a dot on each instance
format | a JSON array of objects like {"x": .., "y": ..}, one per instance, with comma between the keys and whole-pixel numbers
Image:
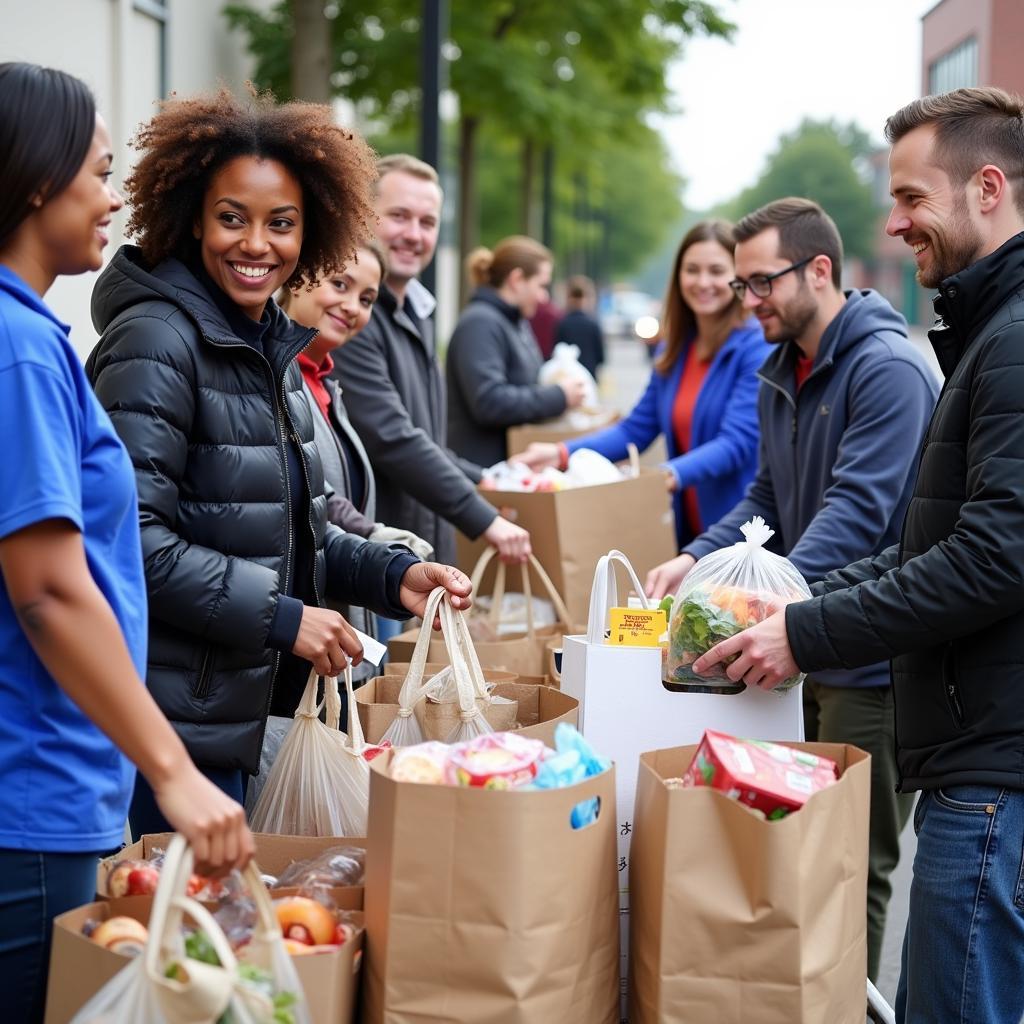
[{"x": 637, "y": 627}]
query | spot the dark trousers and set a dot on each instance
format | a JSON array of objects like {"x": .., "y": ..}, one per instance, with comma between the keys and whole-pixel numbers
[
  {"x": 34, "y": 889},
  {"x": 863, "y": 716},
  {"x": 145, "y": 817}
]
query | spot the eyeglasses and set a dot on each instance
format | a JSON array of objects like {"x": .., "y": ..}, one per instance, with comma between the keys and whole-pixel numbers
[{"x": 761, "y": 284}]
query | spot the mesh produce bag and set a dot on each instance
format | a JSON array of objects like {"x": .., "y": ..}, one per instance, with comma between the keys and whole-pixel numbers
[
  {"x": 319, "y": 784},
  {"x": 178, "y": 981},
  {"x": 726, "y": 592}
]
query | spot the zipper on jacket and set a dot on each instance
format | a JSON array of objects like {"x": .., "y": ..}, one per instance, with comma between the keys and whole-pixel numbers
[
  {"x": 202, "y": 687},
  {"x": 797, "y": 475},
  {"x": 949, "y": 684},
  {"x": 295, "y": 439}
]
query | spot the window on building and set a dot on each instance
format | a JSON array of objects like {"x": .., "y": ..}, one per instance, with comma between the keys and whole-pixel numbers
[{"x": 955, "y": 69}]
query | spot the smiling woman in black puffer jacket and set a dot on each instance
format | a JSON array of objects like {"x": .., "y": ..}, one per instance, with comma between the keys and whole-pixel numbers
[{"x": 196, "y": 366}]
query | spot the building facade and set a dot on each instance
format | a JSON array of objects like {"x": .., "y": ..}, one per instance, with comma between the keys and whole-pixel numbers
[{"x": 132, "y": 53}]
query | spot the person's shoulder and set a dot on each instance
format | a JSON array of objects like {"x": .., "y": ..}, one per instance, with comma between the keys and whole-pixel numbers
[{"x": 29, "y": 338}]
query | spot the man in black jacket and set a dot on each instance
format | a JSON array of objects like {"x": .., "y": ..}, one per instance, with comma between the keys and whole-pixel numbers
[
  {"x": 394, "y": 391},
  {"x": 947, "y": 603}
]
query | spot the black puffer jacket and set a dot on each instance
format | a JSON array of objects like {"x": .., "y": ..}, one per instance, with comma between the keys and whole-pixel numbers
[
  {"x": 206, "y": 420},
  {"x": 947, "y": 604}
]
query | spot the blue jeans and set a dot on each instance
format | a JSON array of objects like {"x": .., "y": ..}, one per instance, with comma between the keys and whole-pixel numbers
[
  {"x": 34, "y": 889},
  {"x": 963, "y": 953},
  {"x": 144, "y": 814}
]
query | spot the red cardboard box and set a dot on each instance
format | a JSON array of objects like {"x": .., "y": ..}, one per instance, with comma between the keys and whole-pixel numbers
[{"x": 768, "y": 777}]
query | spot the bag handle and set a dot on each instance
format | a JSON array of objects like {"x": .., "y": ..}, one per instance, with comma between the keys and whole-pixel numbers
[
  {"x": 356, "y": 742},
  {"x": 414, "y": 687},
  {"x": 469, "y": 677},
  {"x": 207, "y": 990},
  {"x": 556, "y": 599},
  {"x": 604, "y": 595}
]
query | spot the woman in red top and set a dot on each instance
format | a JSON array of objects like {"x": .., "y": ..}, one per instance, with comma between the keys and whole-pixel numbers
[{"x": 702, "y": 395}]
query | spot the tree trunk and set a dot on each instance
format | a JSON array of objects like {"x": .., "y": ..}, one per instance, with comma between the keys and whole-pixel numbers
[
  {"x": 527, "y": 212},
  {"x": 469, "y": 226},
  {"x": 548, "y": 198},
  {"x": 311, "y": 52}
]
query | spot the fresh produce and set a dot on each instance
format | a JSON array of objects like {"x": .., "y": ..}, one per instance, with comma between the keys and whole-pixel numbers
[
  {"x": 140, "y": 878},
  {"x": 728, "y": 591},
  {"x": 305, "y": 920},
  {"x": 122, "y": 935}
]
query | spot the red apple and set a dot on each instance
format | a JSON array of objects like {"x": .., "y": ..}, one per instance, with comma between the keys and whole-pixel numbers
[{"x": 143, "y": 880}]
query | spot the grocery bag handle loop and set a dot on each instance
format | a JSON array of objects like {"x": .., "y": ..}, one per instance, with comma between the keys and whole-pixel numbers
[
  {"x": 604, "y": 595},
  {"x": 561, "y": 610}
]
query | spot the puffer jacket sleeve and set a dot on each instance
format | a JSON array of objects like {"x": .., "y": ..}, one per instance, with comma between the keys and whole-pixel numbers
[
  {"x": 871, "y": 568},
  {"x": 967, "y": 581},
  {"x": 144, "y": 376},
  {"x": 365, "y": 574}
]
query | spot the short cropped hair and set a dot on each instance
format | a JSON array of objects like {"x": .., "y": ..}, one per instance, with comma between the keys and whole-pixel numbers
[
  {"x": 805, "y": 231},
  {"x": 406, "y": 163},
  {"x": 973, "y": 127}
]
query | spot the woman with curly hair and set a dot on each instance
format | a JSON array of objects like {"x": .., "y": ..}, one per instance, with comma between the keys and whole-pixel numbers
[
  {"x": 230, "y": 201},
  {"x": 74, "y": 713}
]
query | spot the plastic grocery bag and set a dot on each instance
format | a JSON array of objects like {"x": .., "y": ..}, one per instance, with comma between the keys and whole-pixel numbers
[
  {"x": 178, "y": 980},
  {"x": 564, "y": 366},
  {"x": 319, "y": 783},
  {"x": 726, "y": 592},
  {"x": 463, "y": 683}
]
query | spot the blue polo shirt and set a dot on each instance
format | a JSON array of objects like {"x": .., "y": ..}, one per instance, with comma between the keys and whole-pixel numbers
[{"x": 64, "y": 786}]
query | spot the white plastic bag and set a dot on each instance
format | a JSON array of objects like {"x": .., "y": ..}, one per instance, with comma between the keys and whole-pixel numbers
[
  {"x": 465, "y": 678},
  {"x": 724, "y": 593},
  {"x": 319, "y": 783},
  {"x": 166, "y": 985},
  {"x": 565, "y": 366}
]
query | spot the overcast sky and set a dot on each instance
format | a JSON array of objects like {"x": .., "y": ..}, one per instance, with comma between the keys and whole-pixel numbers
[{"x": 790, "y": 59}]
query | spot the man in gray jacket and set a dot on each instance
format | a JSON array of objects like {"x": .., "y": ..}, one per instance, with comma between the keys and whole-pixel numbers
[{"x": 393, "y": 386}]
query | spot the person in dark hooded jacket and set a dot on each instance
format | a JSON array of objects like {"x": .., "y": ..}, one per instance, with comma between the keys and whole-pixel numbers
[
  {"x": 843, "y": 406},
  {"x": 196, "y": 367}
]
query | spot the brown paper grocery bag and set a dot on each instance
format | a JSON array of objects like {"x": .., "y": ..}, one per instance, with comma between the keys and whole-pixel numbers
[
  {"x": 736, "y": 919},
  {"x": 539, "y": 707},
  {"x": 468, "y": 921},
  {"x": 570, "y": 530}
]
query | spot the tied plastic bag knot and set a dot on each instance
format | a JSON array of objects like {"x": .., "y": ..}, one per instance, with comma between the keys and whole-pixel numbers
[
  {"x": 757, "y": 532},
  {"x": 468, "y": 716},
  {"x": 405, "y": 712}
]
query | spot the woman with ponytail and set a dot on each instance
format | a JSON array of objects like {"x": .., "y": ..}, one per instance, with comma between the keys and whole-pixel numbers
[{"x": 493, "y": 359}]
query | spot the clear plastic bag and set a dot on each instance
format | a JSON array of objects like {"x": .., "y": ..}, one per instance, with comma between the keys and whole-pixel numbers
[
  {"x": 565, "y": 366},
  {"x": 319, "y": 784},
  {"x": 273, "y": 739},
  {"x": 726, "y": 592},
  {"x": 463, "y": 682},
  {"x": 176, "y": 982}
]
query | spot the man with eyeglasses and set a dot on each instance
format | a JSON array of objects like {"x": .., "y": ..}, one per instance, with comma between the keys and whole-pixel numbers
[{"x": 843, "y": 406}]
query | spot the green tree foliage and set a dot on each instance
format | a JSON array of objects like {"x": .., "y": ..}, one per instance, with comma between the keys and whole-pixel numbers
[
  {"x": 823, "y": 161},
  {"x": 579, "y": 76}
]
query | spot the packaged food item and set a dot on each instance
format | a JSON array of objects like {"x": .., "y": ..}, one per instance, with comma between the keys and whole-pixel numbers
[
  {"x": 122, "y": 935},
  {"x": 572, "y": 761},
  {"x": 338, "y": 866},
  {"x": 768, "y": 777},
  {"x": 494, "y": 761},
  {"x": 725, "y": 593},
  {"x": 423, "y": 763}
]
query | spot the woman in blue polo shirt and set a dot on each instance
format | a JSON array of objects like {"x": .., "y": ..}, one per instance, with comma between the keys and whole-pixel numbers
[{"x": 74, "y": 713}]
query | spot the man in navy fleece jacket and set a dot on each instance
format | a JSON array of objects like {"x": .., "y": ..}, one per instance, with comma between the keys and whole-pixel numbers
[{"x": 843, "y": 407}]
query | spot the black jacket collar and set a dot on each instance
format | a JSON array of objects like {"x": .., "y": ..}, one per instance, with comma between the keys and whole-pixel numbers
[
  {"x": 489, "y": 297},
  {"x": 968, "y": 299}
]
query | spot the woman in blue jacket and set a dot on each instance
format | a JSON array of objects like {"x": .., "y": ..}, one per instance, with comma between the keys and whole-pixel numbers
[{"x": 702, "y": 395}]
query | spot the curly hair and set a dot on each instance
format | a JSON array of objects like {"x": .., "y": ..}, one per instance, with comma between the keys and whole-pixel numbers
[{"x": 190, "y": 139}]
